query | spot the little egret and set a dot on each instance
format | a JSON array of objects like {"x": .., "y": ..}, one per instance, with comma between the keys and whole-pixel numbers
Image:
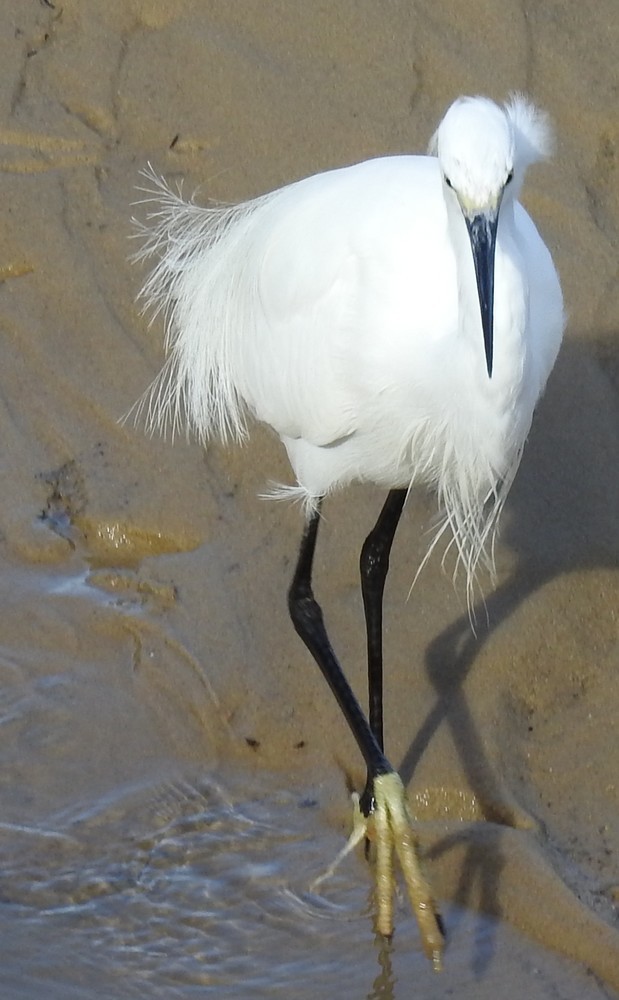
[{"x": 394, "y": 322}]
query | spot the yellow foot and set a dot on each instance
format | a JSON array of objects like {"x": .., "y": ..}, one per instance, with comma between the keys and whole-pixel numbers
[{"x": 389, "y": 827}]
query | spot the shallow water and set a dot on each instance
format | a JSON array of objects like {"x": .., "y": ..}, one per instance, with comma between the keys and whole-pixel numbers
[
  {"x": 192, "y": 890},
  {"x": 129, "y": 870}
]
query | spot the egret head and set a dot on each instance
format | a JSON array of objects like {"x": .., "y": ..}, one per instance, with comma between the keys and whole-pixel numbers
[{"x": 483, "y": 151}]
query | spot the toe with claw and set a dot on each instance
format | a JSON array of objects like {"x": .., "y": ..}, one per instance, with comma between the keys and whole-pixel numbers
[{"x": 388, "y": 826}]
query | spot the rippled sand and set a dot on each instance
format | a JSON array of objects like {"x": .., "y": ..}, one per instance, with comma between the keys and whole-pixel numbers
[{"x": 174, "y": 771}]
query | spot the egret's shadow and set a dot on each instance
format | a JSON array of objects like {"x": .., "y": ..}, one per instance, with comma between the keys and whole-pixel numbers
[{"x": 562, "y": 516}]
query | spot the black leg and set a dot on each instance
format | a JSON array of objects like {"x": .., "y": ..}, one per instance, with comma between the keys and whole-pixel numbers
[
  {"x": 384, "y": 796},
  {"x": 308, "y": 621},
  {"x": 374, "y": 567}
]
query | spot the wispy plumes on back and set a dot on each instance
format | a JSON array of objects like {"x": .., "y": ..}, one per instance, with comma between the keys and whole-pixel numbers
[{"x": 202, "y": 288}]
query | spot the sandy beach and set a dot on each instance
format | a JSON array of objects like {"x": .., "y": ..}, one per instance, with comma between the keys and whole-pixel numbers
[{"x": 175, "y": 773}]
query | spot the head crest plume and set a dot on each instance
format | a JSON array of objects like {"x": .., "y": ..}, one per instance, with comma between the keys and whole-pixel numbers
[
  {"x": 533, "y": 134},
  {"x": 534, "y": 139}
]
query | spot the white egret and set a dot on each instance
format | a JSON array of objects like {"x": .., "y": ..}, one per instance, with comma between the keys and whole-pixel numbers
[{"x": 395, "y": 322}]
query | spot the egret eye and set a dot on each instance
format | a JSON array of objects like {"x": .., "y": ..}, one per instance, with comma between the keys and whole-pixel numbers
[
  {"x": 448, "y": 182},
  {"x": 510, "y": 177}
]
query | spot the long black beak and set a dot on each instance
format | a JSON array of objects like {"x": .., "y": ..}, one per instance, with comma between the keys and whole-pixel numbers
[{"x": 482, "y": 234}]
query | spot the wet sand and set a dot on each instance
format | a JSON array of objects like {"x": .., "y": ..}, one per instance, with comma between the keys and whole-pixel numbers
[{"x": 174, "y": 771}]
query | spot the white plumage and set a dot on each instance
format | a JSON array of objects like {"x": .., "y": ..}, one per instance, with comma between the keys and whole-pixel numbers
[
  {"x": 343, "y": 311},
  {"x": 394, "y": 322}
]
